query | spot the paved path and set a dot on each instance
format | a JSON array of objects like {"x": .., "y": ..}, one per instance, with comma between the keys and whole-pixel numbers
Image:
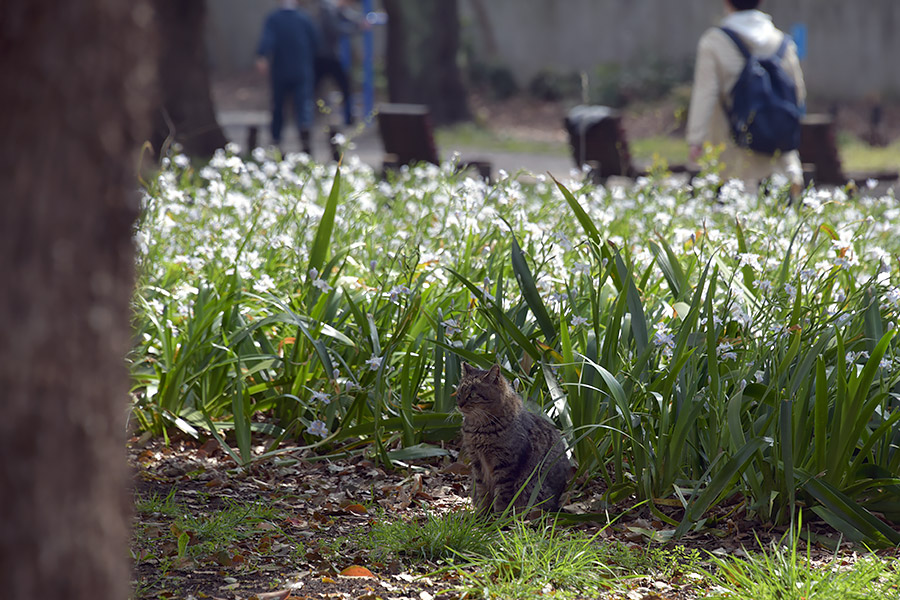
[{"x": 369, "y": 149}]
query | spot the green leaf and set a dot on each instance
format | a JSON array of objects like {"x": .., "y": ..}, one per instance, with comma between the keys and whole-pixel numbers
[
  {"x": 319, "y": 251},
  {"x": 862, "y": 521},
  {"x": 417, "y": 452},
  {"x": 503, "y": 320},
  {"x": 746, "y": 270},
  {"x": 720, "y": 484},
  {"x": 873, "y": 323},
  {"x": 530, "y": 293},
  {"x": 633, "y": 298},
  {"x": 670, "y": 267},
  {"x": 589, "y": 228}
]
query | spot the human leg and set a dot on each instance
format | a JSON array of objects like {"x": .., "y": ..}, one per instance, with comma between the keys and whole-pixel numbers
[
  {"x": 278, "y": 92},
  {"x": 333, "y": 69},
  {"x": 340, "y": 76},
  {"x": 303, "y": 112}
]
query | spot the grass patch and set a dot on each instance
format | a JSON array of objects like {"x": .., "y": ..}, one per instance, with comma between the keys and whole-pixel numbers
[
  {"x": 857, "y": 155},
  {"x": 158, "y": 505},
  {"x": 674, "y": 150},
  {"x": 781, "y": 573},
  {"x": 182, "y": 533},
  {"x": 512, "y": 559},
  {"x": 436, "y": 537},
  {"x": 544, "y": 561},
  {"x": 470, "y": 135}
]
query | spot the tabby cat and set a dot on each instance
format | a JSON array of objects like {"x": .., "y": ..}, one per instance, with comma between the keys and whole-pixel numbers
[{"x": 511, "y": 449}]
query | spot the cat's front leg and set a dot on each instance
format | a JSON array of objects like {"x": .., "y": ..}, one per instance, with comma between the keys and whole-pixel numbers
[
  {"x": 506, "y": 493},
  {"x": 482, "y": 494}
]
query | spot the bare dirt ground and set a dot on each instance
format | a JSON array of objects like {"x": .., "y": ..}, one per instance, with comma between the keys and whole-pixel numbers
[{"x": 292, "y": 527}]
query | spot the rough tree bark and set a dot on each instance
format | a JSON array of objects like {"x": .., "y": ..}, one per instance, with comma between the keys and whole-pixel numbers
[
  {"x": 422, "y": 57},
  {"x": 73, "y": 81},
  {"x": 186, "y": 112},
  {"x": 483, "y": 20}
]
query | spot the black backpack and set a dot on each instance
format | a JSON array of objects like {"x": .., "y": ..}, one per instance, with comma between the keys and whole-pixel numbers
[{"x": 764, "y": 112}]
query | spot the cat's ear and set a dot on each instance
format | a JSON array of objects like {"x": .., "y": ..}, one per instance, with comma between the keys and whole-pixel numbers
[
  {"x": 494, "y": 374},
  {"x": 467, "y": 369}
]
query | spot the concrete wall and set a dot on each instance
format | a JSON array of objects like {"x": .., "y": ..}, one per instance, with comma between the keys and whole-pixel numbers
[
  {"x": 232, "y": 32},
  {"x": 853, "y": 45}
]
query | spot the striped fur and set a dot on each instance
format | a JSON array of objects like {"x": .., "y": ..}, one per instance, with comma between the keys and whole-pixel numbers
[{"x": 511, "y": 449}]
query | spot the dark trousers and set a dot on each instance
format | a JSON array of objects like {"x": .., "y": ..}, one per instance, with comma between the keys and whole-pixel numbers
[
  {"x": 300, "y": 93},
  {"x": 332, "y": 67}
]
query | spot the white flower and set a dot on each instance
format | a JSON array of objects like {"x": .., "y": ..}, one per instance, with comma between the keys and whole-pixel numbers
[
  {"x": 842, "y": 262},
  {"x": 564, "y": 241},
  {"x": 322, "y": 285},
  {"x": 717, "y": 321},
  {"x": 663, "y": 338},
  {"x": 451, "y": 326},
  {"x": 725, "y": 351},
  {"x": 576, "y": 321},
  {"x": 397, "y": 290},
  {"x": 263, "y": 283},
  {"x": 808, "y": 274},
  {"x": 853, "y": 357},
  {"x": 374, "y": 362},
  {"x": 486, "y": 290},
  {"x": 318, "y": 428},
  {"x": 750, "y": 259},
  {"x": 321, "y": 397}
]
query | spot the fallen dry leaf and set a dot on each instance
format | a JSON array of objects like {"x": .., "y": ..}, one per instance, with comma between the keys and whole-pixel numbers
[
  {"x": 357, "y": 571},
  {"x": 279, "y": 595},
  {"x": 357, "y": 509}
]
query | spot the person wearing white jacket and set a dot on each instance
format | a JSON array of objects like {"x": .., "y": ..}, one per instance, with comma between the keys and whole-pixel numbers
[{"x": 719, "y": 63}]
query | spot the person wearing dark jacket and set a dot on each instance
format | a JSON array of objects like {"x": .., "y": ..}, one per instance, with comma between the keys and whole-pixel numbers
[
  {"x": 287, "y": 50},
  {"x": 336, "y": 20}
]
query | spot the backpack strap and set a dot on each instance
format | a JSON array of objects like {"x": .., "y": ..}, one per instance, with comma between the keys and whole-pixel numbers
[
  {"x": 738, "y": 42},
  {"x": 746, "y": 52},
  {"x": 783, "y": 47}
]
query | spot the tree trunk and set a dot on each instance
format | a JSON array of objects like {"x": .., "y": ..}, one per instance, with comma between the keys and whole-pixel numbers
[
  {"x": 483, "y": 20},
  {"x": 186, "y": 112},
  {"x": 399, "y": 79},
  {"x": 423, "y": 48},
  {"x": 73, "y": 85}
]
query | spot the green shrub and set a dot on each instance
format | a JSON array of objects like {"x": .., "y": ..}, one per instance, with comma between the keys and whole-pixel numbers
[{"x": 692, "y": 343}]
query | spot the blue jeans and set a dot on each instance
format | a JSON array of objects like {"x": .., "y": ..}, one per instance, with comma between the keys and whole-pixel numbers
[{"x": 301, "y": 93}]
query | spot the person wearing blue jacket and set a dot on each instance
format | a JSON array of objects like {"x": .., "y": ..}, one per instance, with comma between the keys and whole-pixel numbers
[
  {"x": 337, "y": 20},
  {"x": 287, "y": 51}
]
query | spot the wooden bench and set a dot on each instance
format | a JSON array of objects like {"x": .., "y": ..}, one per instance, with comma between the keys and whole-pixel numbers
[
  {"x": 408, "y": 138},
  {"x": 821, "y": 159},
  {"x": 597, "y": 140}
]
